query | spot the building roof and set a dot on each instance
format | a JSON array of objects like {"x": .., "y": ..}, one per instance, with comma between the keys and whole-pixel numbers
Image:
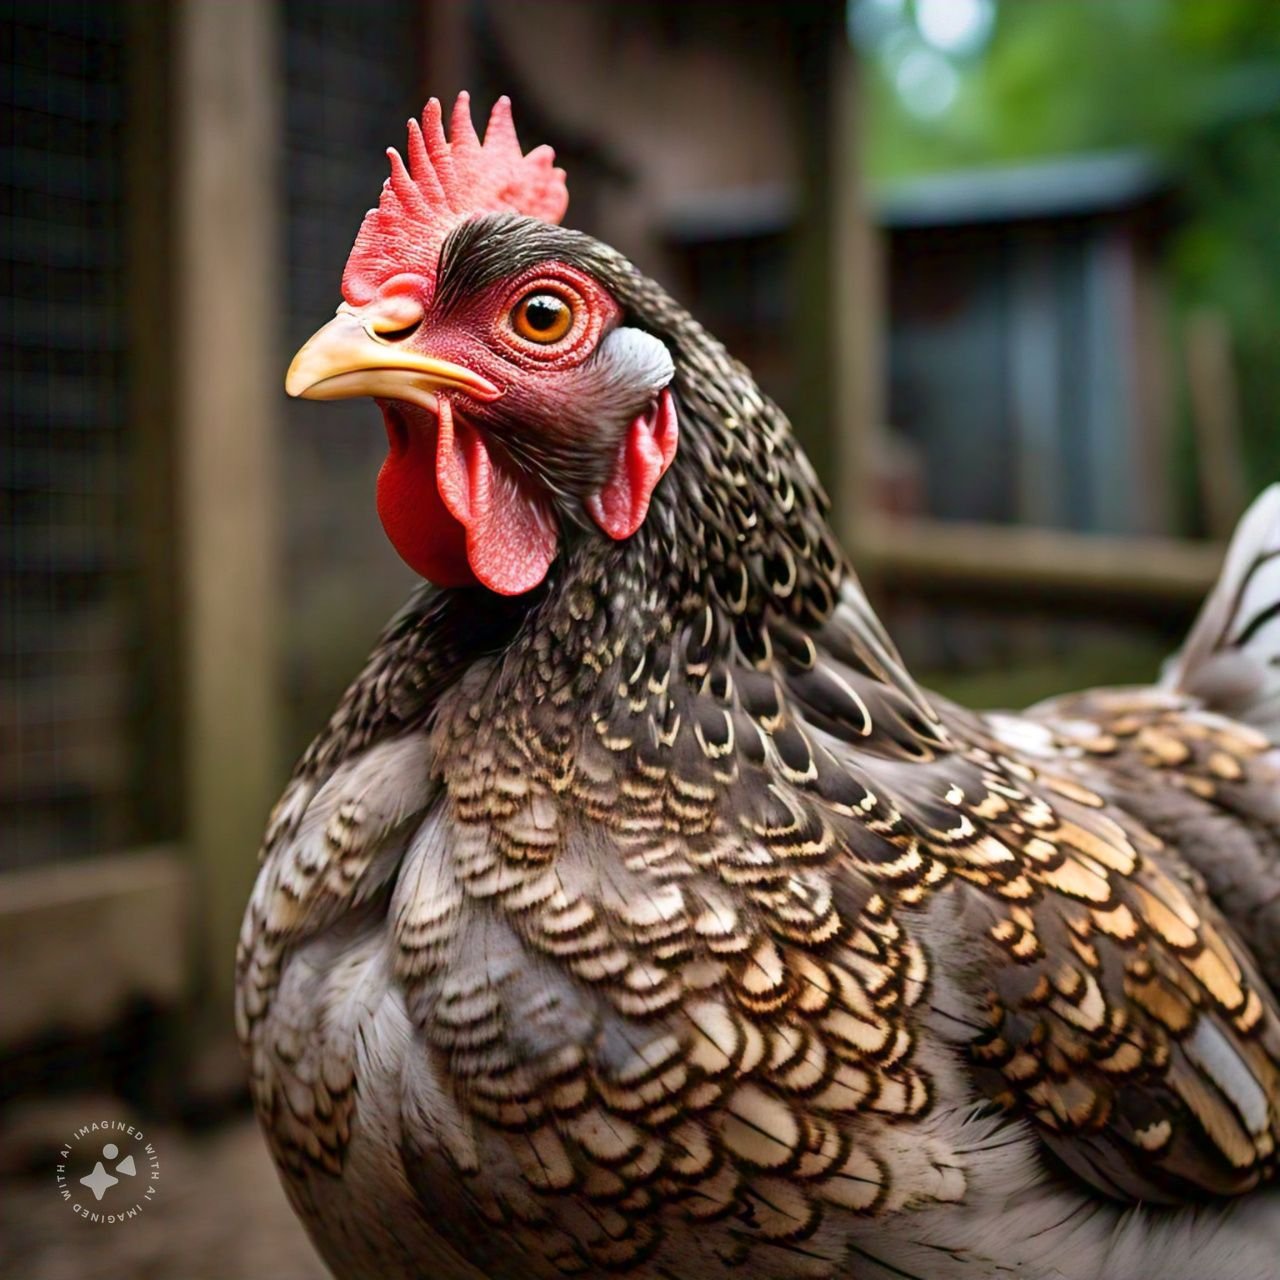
[{"x": 1093, "y": 183}]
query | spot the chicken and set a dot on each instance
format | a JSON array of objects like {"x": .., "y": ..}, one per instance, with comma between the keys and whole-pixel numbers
[{"x": 638, "y": 913}]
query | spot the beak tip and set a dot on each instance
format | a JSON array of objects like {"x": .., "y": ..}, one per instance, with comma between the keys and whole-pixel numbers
[{"x": 298, "y": 381}]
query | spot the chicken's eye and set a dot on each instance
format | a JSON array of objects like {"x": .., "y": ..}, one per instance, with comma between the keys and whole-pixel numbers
[{"x": 542, "y": 317}]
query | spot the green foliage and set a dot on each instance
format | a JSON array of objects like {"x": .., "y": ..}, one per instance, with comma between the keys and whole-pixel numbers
[{"x": 1195, "y": 81}]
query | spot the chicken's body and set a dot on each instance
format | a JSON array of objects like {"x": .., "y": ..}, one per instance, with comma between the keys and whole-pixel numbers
[{"x": 654, "y": 922}]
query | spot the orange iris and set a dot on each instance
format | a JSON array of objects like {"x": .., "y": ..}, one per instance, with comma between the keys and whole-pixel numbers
[{"x": 542, "y": 317}]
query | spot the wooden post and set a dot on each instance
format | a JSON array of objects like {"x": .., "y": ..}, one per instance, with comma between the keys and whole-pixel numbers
[
  {"x": 1215, "y": 419},
  {"x": 150, "y": 312},
  {"x": 812, "y": 348},
  {"x": 229, "y": 370},
  {"x": 837, "y": 277},
  {"x": 448, "y": 58},
  {"x": 857, "y": 301}
]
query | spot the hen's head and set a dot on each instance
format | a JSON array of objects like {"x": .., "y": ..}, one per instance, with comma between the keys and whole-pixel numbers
[{"x": 517, "y": 399}]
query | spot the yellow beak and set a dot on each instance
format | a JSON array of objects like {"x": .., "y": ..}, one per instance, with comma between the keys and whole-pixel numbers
[{"x": 345, "y": 359}]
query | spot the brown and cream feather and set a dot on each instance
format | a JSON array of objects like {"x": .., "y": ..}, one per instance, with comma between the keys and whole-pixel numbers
[{"x": 657, "y": 923}]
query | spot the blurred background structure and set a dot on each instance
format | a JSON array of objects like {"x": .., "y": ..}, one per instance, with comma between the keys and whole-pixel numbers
[{"x": 1013, "y": 270}]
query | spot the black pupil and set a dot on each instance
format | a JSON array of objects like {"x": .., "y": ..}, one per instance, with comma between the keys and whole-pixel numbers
[{"x": 543, "y": 312}]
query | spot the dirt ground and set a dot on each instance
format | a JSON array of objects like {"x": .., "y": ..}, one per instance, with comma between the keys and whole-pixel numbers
[{"x": 218, "y": 1212}]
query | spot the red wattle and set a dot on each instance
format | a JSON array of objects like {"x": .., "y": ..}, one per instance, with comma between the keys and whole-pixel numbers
[
  {"x": 511, "y": 533},
  {"x": 428, "y": 539},
  {"x": 644, "y": 455}
]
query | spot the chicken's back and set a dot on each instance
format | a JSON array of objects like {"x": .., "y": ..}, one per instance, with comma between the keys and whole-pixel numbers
[{"x": 1197, "y": 758}]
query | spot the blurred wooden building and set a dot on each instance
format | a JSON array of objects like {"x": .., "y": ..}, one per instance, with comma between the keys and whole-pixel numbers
[{"x": 1029, "y": 367}]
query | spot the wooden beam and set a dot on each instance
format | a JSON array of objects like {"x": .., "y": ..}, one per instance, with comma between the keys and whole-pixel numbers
[
  {"x": 229, "y": 370},
  {"x": 1041, "y": 564},
  {"x": 79, "y": 941}
]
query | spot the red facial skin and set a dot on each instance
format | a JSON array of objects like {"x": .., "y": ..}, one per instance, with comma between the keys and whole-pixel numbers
[{"x": 453, "y": 496}]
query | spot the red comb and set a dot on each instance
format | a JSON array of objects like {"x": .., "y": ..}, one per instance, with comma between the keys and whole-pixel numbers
[{"x": 444, "y": 184}]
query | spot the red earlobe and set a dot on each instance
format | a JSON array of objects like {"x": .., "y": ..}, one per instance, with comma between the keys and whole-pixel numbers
[{"x": 643, "y": 457}]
